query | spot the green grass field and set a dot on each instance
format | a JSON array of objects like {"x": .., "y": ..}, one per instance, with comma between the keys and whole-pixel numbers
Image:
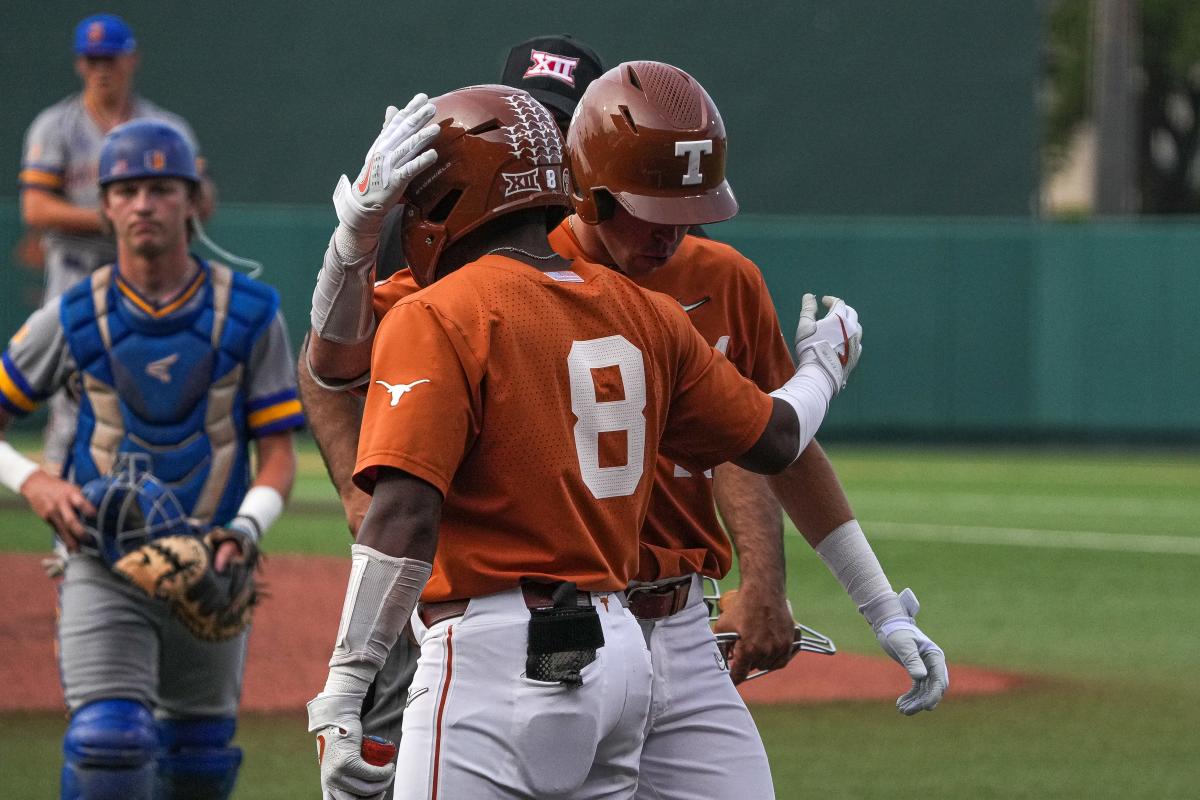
[{"x": 1081, "y": 569}]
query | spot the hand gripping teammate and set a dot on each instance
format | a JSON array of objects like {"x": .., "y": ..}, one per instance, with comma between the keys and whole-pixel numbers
[
  {"x": 515, "y": 409},
  {"x": 186, "y": 363}
]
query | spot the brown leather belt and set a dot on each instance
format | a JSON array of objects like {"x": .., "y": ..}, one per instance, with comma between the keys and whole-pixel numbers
[
  {"x": 537, "y": 595},
  {"x": 656, "y": 601}
]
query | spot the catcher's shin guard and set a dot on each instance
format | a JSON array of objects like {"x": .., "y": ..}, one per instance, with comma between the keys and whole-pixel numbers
[
  {"x": 109, "y": 748},
  {"x": 196, "y": 762}
]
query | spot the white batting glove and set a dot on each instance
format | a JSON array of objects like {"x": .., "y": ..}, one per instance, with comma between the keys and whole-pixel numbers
[
  {"x": 397, "y": 156},
  {"x": 334, "y": 718},
  {"x": 898, "y": 635},
  {"x": 833, "y": 342}
]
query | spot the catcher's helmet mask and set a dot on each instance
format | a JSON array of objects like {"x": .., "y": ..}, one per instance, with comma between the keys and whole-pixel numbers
[{"x": 132, "y": 508}]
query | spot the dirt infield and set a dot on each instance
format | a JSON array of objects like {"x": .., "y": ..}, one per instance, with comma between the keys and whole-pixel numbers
[{"x": 295, "y": 626}]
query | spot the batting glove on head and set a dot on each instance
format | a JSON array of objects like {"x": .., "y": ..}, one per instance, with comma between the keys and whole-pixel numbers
[
  {"x": 833, "y": 342},
  {"x": 895, "y": 628},
  {"x": 396, "y": 157},
  {"x": 349, "y": 770}
]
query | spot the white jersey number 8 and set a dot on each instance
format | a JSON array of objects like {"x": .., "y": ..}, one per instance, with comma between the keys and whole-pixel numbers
[{"x": 595, "y": 417}]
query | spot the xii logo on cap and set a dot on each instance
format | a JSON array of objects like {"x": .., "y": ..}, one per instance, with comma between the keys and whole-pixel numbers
[
  {"x": 550, "y": 65},
  {"x": 155, "y": 160}
]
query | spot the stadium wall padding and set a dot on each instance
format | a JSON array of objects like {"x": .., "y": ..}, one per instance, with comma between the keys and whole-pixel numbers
[
  {"x": 1005, "y": 328},
  {"x": 849, "y": 107}
]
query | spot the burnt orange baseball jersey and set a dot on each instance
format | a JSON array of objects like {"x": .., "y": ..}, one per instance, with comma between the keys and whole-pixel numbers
[
  {"x": 536, "y": 403},
  {"x": 727, "y": 301}
]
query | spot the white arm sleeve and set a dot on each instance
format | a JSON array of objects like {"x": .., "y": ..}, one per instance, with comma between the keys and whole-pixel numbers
[
  {"x": 381, "y": 596},
  {"x": 808, "y": 392},
  {"x": 848, "y": 555}
]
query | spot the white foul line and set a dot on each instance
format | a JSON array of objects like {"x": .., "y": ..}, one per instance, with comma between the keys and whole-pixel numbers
[{"x": 1028, "y": 537}]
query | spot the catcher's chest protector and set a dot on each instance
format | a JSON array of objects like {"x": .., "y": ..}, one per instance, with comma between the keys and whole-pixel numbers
[{"x": 168, "y": 382}]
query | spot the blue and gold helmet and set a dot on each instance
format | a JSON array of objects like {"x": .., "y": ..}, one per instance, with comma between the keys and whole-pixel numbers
[{"x": 147, "y": 148}]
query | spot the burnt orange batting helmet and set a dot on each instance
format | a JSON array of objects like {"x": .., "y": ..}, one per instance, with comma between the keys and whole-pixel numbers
[
  {"x": 499, "y": 151},
  {"x": 648, "y": 134}
]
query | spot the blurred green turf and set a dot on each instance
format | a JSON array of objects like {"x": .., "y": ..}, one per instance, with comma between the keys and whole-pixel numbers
[{"x": 1111, "y": 636}]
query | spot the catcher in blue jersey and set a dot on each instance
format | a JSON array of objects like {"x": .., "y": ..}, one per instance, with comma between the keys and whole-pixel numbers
[
  {"x": 179, "y": 365},
  {"x": 60, "y": 162}
]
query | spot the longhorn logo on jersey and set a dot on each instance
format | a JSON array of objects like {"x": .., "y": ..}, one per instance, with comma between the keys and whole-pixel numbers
[
  {"x": 550, "y": 65},
  {"x": 398, "y": 390}
]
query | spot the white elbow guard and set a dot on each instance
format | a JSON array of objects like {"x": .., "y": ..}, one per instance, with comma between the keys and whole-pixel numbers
[
  {"x": 341, "y": 307},
  {"x": 341, "y": 303},
  {"x": 808, "y": 393}
]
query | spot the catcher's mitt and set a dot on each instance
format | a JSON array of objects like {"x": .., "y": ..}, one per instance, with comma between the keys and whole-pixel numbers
[{"x": 179, "y": 570}]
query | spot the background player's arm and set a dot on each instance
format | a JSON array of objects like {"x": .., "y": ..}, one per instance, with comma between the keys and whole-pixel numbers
[
  {"x": 761, "y": 617},
  {"x": 335, "y": 418},
  {"x": 54, "y": 500},
  {"x": 336, "y": 361},
  {"x": 34, "y": 366},
  {"x": 812, "y": 495},
  {"x": 43, "y": 209}
]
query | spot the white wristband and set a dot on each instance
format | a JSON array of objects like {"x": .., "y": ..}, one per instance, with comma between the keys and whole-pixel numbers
[
  {"x": 261, "y": 506},
  {"x": 808, "y": 393},
  {"x": 15, "y": 468},
  {"x": 848, "y": 555}
]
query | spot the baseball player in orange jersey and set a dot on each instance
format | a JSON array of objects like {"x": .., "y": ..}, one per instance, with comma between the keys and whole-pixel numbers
[
  {"x": 515, "y": 406},
  {"x": 646, "y": 149},
  {"x": 702, "y": 741}
]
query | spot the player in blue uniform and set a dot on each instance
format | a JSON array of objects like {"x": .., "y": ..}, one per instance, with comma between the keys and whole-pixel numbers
[
  {"x": 185, "y": 363},
  {"x": 60, "y": 199}
]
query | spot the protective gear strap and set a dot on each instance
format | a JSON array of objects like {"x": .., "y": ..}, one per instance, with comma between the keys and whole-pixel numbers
[
  {"x": 848, "y": 555},
  {"x": 197, "y": 760},
  {"x": 15, "y": 468},
  {"x": 380, "y": 598},
  {"x": 808, "y": 392},
  {"x": 261, "y": 506}
]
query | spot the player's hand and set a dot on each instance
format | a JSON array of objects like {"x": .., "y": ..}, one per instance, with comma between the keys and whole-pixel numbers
[
  {"x": 833, "y": 342},
  {"x": 765, "y": 628},
  {"x": 60, "y": 503},
  {"x": 397, "y": 155},
  {"x": 925, "y": 662},
  {"x": 345, "y": 773}
]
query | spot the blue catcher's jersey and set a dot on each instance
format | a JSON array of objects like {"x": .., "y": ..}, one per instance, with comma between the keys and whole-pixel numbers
[{"x": 168, "y": 382}]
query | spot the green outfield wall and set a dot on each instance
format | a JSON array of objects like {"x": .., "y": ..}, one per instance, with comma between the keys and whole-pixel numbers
[
  {"x": 847, "y": 107},
  {"x": 980, "y": 328}
]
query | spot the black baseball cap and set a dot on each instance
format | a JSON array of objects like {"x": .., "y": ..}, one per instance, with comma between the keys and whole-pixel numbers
[{"x": 554, "y": 69}]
